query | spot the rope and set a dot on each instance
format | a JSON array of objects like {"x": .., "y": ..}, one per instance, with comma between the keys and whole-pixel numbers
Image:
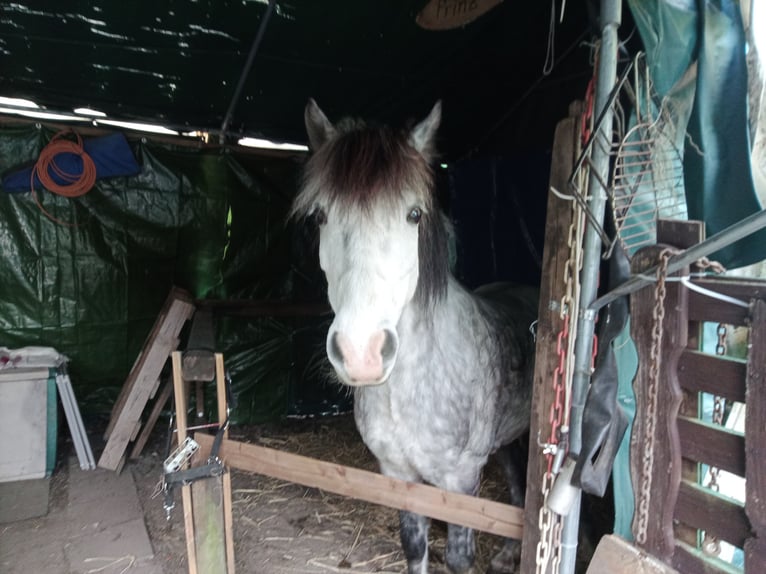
[{"x": 76, "y": 184}]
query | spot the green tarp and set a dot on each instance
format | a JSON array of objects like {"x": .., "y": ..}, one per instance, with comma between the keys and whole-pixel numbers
[
  {"x": 713, "y": 109},
  {"x": 209, "y": 221}
]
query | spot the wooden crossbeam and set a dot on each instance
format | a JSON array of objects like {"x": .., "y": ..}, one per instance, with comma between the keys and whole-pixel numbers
[{"x": 479, "y": 513}]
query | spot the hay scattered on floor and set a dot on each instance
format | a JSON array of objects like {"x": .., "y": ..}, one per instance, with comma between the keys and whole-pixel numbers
[{"x": 285, "y": 528}]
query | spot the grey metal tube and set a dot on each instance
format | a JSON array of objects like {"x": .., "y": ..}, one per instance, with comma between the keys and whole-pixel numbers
[
  {"x": 735, "y": 232},
  {"x": 611, "y": 16},
  {"x": 246, "y": 70}
]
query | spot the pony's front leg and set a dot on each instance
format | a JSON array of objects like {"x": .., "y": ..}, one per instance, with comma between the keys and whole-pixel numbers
[
  {"x": 461, "y": 549},
  {"x": 413, "y": 529}
]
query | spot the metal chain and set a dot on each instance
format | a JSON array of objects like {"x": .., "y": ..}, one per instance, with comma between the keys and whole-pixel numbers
[
  {"x": 548, "y": 556},
  {"x": 647, "y": 454},
  {"x": 711, "y": 545}
]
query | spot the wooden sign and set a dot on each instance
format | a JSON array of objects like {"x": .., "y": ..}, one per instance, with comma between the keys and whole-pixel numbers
[{"x": 449, "y": 14}]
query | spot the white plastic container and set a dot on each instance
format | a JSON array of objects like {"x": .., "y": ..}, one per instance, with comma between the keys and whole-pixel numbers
[{"x": 28, "y": 423}]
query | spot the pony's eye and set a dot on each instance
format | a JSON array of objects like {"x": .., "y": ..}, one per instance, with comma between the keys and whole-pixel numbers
[
  {"x": 414, "y": 215},
  {"x": 320, "y": 216}
]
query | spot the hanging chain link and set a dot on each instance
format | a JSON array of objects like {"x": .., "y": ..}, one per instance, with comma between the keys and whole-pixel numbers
[
  {"x": 711, "y": 545},
  {"x": 548, "y": 555},
  {"x": 647, "y": 454}
]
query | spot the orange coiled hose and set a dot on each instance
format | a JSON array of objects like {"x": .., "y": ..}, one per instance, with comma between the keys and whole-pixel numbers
[{"x": 77, "y": 184}]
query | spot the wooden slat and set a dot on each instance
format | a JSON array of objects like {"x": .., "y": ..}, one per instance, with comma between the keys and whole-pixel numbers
[
  {"x": 220, "y": 381},
  {"x": 614, "y": 555},
  {"x": 555, "y": 254},
  {"x": 723, "y": 376},
  {"x": 717, "y": 515},
  {"x": 712, "y": 444},
  {"x": 688, "y": 559},
  {"x": 146, "y": 371},
  {"x": 702, "y": 308},
  {"x": 755, "y": 439},
  {"x": 151, "y": 420},
  {"x": 478, "y": 513},
  {"x": 179, "y": 392},
  {"x": 157, "y": 327}
]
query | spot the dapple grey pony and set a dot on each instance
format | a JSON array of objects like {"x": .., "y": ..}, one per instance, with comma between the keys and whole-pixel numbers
[{"x": 442, "y": 376}]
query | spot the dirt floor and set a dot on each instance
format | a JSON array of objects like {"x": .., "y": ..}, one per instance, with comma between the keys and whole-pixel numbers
[{"x": 282, "y": 527}]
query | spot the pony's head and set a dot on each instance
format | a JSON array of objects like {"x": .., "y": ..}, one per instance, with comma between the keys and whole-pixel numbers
[{"x": 382, "y": 239}]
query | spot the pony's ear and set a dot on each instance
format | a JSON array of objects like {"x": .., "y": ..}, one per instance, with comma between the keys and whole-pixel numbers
[
  {"x": 318, "y": 127},
  {"x": 423, "y": 135}
]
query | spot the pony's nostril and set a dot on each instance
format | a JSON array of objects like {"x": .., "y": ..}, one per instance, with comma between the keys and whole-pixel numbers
[
  {"x": 390, "y": 346},
  {"x": 333, "y": 350}
]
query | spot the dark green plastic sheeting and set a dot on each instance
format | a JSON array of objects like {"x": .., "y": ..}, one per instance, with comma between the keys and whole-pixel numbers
[
  {"x": 717, "y": 174},
  {"x": 209, "y": 221}
]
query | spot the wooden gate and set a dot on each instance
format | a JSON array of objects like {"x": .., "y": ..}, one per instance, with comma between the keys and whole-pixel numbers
[{"x": 678, "y": 518}]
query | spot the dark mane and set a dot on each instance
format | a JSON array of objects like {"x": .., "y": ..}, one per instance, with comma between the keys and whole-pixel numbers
[{"x": 363, "y": 164}]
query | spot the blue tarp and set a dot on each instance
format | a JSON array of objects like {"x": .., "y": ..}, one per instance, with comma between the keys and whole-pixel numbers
[{"x": 111, "y": 155}]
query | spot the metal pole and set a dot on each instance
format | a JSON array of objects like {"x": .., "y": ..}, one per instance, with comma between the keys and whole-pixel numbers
[
  {"x": 246, "y": 70},
  {"x": 735, "y": 232},
  {"x": 611, "y": 16}
]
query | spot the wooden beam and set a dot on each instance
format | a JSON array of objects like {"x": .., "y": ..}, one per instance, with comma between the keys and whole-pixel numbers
[
  {"x": 143, "y": 377},
  {"x": 198, "y": 359},
  {"x": 552, "y": 289},
  {"x": 717, "y": 375},
  {"x": 266, "y": 308},
  {"x": 687, "y": 558},
  {"x": 151, "y": 420},
  {"x": 702, "y": 308},
  {"x": 717, "y": 515},
  {"x": 614, "y": 555},
  {"x": 478, "y": 513},
  {"x": 712, "y": 444},
  {"x": 179, "y": 391},
  {"x": 656, "y": 493},
  {"x": 755, "y": 439}
]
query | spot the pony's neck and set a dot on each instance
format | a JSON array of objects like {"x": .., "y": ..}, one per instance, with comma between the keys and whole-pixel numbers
[{"x": 418, "y": 318}]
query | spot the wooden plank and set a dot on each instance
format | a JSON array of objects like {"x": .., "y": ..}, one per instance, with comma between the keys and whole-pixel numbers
[
  {"x": 656, "y": 493},
  {"x": 717, "y": 515},
  {"x": 717, "y": 375},
  {"x": 127, "y": 388},
  {"x": 614, "y": 555},
  {"x": 266, "y": 308},
  {"x": 179, "y": 391},
  {"x": 702, "y": 308},
  {"x": 220, "y": 379},
  {"x": 479, "y": 513},
  {"x": 555, "y": 255},
  {"x": 228, "y": 523},
  {"x": 198, "y": 360},
  {"x": 712, "y": 444},
  {"x": 755, "y": 439},
  {"x": 207, "y": 504},
  {"x": 142, "y": 379},
  {"x": 691, "y": 560},
  {"x": 683, "y": 235},
  {"x": 151, "y": 420}
]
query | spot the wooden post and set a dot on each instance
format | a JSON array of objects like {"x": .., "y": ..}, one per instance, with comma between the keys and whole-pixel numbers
[
  {"x": 665, "y": 477},
  {"x": 755, "y": 438},
  {"x": 552, "y": 287},
  {"x": 685, "y": 234},
  {"x": 207, "y": 502},
  {"x": 180, "y": 399}
]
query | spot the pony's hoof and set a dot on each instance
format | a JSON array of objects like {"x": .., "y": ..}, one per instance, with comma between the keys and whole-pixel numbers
[{"x": 506, "y": 561}]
